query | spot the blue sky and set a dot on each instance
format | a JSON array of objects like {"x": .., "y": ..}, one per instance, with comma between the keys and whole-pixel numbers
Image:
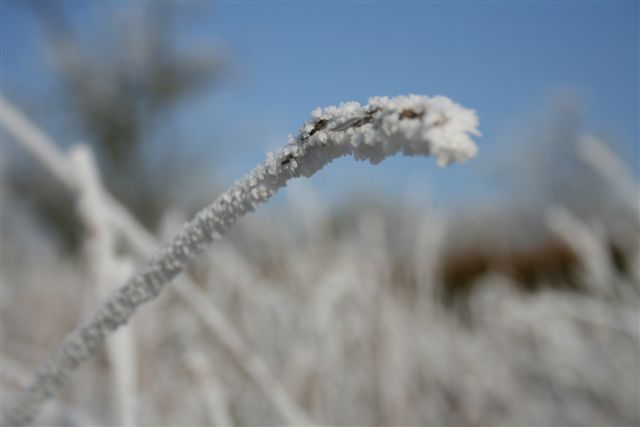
[{"x": 506, "y": 60}]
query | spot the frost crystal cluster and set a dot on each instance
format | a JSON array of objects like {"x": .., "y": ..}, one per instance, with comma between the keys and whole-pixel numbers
[{"x": 411, "y": 125}]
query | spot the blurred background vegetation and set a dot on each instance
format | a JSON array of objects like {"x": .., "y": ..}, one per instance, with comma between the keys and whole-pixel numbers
[{"x": 120, "y": 89}]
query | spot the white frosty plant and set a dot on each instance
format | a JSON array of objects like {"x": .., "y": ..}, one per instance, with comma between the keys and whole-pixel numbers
[{"x": 411, "y": 125}]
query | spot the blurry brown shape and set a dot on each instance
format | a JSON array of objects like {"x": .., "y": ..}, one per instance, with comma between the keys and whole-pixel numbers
[
  {"x": 619, "y": 259},
  {"x": 550, "y": 264},
  {"x": 459, "y": 272}
]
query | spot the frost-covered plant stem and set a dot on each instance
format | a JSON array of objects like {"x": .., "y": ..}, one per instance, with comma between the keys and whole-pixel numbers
[
  {"x": 40, "y": 145},
  {"x": 412, "y": 125}
]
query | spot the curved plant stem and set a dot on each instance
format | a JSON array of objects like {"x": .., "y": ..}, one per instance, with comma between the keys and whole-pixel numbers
[{"x": 412, "y": 125}]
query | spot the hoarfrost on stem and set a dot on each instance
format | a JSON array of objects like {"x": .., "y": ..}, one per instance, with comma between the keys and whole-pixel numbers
[{"x": 411, "y": 125}]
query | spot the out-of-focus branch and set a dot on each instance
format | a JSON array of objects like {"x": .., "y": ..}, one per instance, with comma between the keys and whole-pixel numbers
[
  {"x": 253, "y": 366},
  {"x": 120, "y": 90},
  {"x": 44, "y": 149},
  {"x": 205, "y": 377},
  {"x": 589, "y": 246},
  {"x": 36, "y": 142},
  {"x": 144, "y": 243},
  {"x": 608, "y": 165},
  {"x": 107, "y": 270}
]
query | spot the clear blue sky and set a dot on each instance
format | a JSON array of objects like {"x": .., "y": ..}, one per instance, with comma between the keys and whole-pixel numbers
[{"x": 506, "y": 60}]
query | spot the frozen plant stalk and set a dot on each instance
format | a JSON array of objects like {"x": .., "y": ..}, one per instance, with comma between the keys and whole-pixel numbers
[{"x": 411, "y": 125}]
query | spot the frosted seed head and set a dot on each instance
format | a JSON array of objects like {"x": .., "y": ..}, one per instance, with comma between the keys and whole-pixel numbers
[{"x": 413, "y": 125}]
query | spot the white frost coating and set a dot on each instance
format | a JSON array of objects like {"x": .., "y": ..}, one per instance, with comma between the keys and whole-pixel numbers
[{"x": 411, "y": 125}]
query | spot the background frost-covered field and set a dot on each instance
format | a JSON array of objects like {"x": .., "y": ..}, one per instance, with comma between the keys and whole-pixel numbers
[
  {"x": 351, "y": 325},
  {"x": 383, "y": 308}
]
